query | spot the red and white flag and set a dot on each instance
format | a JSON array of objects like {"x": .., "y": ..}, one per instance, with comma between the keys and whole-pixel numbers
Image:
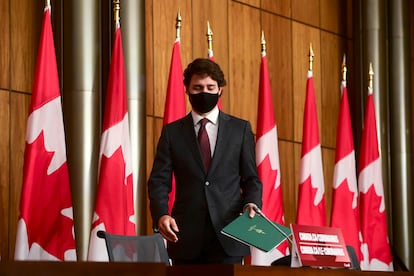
[
  {"x": 268, "y": 166},
  {"x": 45, "y": 227},
  {"x": 345, "y": 203},
  {"x": 114, "y": 206},
  {"x": 174, "y": 108},
  {"x": 375, "y": 246},
  {"x": 311, "y": 200}
]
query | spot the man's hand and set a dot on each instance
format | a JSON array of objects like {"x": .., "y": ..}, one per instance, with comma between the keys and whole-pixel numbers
[
  {"x": 167, "y": 228},
  {"x": 250, "y": 207}
]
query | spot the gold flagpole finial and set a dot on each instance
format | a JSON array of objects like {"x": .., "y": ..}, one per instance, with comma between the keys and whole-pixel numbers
[
  {"x": 344, "y": 69},
  {"x": 311, "y": 55},
  {"x": 117, "y": 8},
  {"x": 47, "y": 3},
  {"x": 263, "y": 43},
  {"x": 209, "y": 37},
  {"x": 178, "y": 25},
  {"x": 370, "y": 75}
]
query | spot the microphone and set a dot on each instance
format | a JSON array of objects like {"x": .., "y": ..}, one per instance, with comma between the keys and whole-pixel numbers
[{"x": 259, "y": 212}]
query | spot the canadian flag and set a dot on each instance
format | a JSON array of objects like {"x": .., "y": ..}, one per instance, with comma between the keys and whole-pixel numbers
[
  {"x": 174, "y": 108},
  {"x": 114, "y": 206},
  {"x": 345, "y": 203},
  {"x": 45, "y": 227},
  {"x": 375, "y": 246},
  {"x": 311, "y": 200},
  {"x": 268, "y": 166}
]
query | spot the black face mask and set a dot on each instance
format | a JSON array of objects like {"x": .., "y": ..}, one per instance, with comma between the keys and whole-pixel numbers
[{"x": 203, "y": 102}]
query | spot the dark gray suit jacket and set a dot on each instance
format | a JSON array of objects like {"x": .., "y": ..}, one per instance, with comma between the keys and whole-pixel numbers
[{"x": 231, "y": 182}]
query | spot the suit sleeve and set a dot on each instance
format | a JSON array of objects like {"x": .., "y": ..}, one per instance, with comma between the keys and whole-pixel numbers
[
  {"x": 160, "y": 180},
  {"x": 251, "y": 185}
]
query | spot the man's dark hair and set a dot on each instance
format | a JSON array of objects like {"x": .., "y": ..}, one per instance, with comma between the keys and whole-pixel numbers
[{"x": 204, "y": 67}]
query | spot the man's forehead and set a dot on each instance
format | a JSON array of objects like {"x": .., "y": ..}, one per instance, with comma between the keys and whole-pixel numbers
[{"x": 202, "y": 79}]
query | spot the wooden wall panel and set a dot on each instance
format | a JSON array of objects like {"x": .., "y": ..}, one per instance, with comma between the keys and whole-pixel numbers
[
  {"x": 26, "y": 19},
  {"x": 214, "y": 11},
  {"x": 278, "y": 35},
  {"x": 328, "y": 161},
  {"x": 164, "y": 15},
  {"x": 333, "y": 48},
  {"x": 297, "y": 148},
  {"x": 149, "y": 60},
  {"x": 335, "y": 14},
  {"x": 282, "y": 7},
  {"x": 287, "y": 167},
  {"x": 306, "y": 11},
  {"x": 254, "y": 3},
  {"x": 244, "y": 54},
  {"x": 5, "y": 45},
  {"x": 19, "y": 107},
  {"x": 4, "y": 168},
  {"x": 303, "y": 36}
]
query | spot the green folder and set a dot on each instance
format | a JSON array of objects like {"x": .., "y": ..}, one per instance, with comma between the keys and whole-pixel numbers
[{"x": 257, "y": 231}]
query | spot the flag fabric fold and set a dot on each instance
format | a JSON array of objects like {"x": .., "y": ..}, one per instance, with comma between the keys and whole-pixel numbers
[
  {"x": 375, "y": 246},
  {"x": 174, "y": 108},
  {"x": 114, "y": 205},
  {"x": 311, "y": 199},
  {"x": 268, "y": 166},
  {"x": 45, "y": 229},
  {"x": 345, "y": 203}
]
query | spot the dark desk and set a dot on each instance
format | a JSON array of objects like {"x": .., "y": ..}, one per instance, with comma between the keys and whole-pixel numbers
[{"x": 149, "y": 269}]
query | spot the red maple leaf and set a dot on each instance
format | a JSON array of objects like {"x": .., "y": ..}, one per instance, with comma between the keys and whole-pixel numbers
[
  {"x": 309, "y": 213},
  {"x": 345, "y": 217},
  {"x": 114, "y": 204},
  {"x": 43, "y": 199},
  {"x": 374, "y": 226},
  {"x": 271, "y": 197}
]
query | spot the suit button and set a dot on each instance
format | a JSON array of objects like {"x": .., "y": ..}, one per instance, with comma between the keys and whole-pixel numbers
[{"x": 207, "y": 183}]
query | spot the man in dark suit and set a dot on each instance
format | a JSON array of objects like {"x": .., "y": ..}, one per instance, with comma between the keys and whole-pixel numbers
[{"x": 216, "y": 178}]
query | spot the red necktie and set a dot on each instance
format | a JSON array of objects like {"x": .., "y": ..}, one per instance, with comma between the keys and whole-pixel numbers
[{"x": 204, "y": 143}]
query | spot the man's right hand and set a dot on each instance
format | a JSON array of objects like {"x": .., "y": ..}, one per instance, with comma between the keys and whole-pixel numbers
[{"x": 167, "y": 228}]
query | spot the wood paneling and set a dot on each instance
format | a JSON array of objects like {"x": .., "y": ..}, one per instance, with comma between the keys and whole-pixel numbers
[
  {"x": 26, "y": 18},
  {"x": 214, "y": 11},
  {"x": 328, "y": 161},
  {"x": 244, "y": 54},
  {"x": 333, "y": 48},
  {"x": 287, "y": 167},
  {"x": 164, "y": 15},
  {"x": 5, "y": 45},
  {"x": 282, "y": 7},
  {"x": 335, "y": 15},
  {"x": 4, "y": 168},
  {"x": 278, "y": 35},
  {"x": 303, "y": 36},
  {"x": 149, "y": 60},
  {"x": 254, "y": 3},
  {"x": 306, "y": 11},
  {"x": 19, "y": 107}
]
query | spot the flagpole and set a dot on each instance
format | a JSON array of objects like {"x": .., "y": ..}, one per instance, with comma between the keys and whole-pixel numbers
[
  {"x": 117, "y": 8},
  {"x": 370, "y": 76},
  {"x": 209, "y": 38},
  {"x": 47, "y": 3},
  {"x": 178, "y": 25},
  {"x": 263, "y": 44},
  {"x": 344, "y": 69},
  {"x": 311, "y": 55}
]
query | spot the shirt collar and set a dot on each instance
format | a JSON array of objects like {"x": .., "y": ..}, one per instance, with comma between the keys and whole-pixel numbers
[{"x": 212, "y": 116}]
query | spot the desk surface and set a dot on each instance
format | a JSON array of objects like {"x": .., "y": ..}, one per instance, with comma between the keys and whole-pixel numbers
[{"x": 23, "y": 268}]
